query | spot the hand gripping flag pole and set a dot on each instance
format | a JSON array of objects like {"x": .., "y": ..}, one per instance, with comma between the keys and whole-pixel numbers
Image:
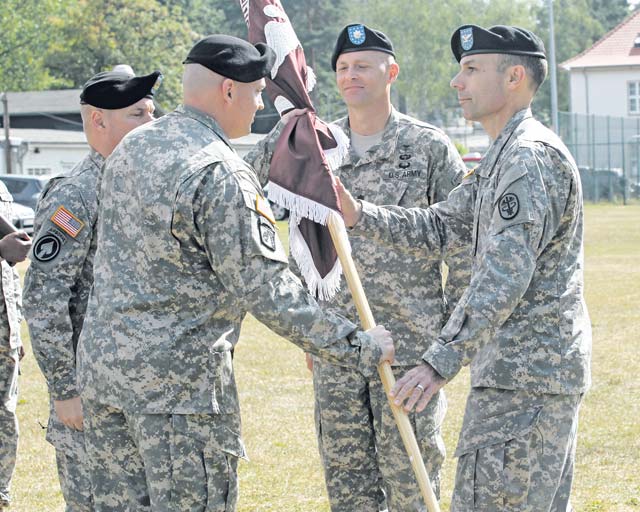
[
  {"x": 341, "y": 242},
  {"x": 300, "y": 179}
]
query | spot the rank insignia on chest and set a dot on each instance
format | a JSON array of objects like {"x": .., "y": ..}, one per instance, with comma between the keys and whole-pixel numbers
[
  {"x": 267, "y": 234},
  {"x": 66, "y": 221}
]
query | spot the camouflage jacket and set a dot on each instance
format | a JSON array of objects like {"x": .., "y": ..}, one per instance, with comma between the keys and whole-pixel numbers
[
  {"x": 523, "y": 322},
  {"x": 11, "y": 305},
  {"x": 415, "y": 164},
  {"x": 60, "y": 276},
  {"x": 188, "y": 245}
]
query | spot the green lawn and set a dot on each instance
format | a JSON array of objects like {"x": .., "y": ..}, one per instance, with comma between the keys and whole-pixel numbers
[{"x": 284, "y": 472}]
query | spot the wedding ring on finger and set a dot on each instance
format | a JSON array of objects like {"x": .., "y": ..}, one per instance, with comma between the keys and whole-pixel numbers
[{"x": 420, "y": 387}]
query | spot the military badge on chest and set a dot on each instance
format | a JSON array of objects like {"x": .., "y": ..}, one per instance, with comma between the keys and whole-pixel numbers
[
  {"x": 267, "y": 234},
  {"x": 403, "y": 168}
]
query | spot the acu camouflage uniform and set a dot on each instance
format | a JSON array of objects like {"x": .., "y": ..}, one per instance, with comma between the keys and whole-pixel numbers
[
  {"x": 57, "y": 286},
  {"x": 522, "y": 324},
  {"x": 414, "y": 164},
  {"x": 187, "y": 245},
  {"x": 10, "y": 343}
]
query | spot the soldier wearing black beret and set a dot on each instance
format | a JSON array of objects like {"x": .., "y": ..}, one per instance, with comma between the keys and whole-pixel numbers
[
  {"x": 60, "y": 276},
  {"x": 356, "y": 38},
  {"x": 473, "y": 40},
  {"x": 187, "y": 245},
  {"x": 402, "y": 161},
  {"x": 119, "y": 88},
  {"x": 522, "y": 324}
]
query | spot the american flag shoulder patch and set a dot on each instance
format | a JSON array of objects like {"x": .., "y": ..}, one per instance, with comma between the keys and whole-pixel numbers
[{"x": 67, "y": 221}]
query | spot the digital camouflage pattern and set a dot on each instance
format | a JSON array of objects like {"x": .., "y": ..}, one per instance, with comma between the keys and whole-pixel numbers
[
  {"x": 10, "y": 343},
  {"x": 57, "y": 285},
  {"x": 187, "y": 247},
  {"x": 414, "y": 164},
  {"x": 516, "y": 451},
  {"x": 163, "y": 462},
  {"x": 522, "y": 324}
]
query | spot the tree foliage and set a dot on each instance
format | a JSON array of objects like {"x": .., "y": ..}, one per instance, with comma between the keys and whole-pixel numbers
[
  {"x": 60, "y": 43},
  {"x": 96, "y": 35},
  {"x": 421, "y": 33},
  {"x": 24, "y": 32}
]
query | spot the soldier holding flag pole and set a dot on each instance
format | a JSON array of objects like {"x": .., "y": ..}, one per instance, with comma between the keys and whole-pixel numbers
[{"x": 393, "y": 159}]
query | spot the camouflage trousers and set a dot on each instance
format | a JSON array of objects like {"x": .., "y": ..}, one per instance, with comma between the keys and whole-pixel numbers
[
  {"x": 72, "y": 464},
  {"x": 360, "y": 445},
  {"x": 9, "y": 367},
  {"x": 162, "y": 462},
  {"x": 516, "y": 452}
]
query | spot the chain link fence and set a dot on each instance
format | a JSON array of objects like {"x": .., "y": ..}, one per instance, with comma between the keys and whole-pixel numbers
[{"x": 607, "y": 151}]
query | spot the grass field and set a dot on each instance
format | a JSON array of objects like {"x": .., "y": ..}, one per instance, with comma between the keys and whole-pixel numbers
[{"x": 284, "y": 473}]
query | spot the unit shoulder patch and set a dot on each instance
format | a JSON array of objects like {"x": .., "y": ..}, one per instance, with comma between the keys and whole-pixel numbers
[{"x": 47, "y": 247}]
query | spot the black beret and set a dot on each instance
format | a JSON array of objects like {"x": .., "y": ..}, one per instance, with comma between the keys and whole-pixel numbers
[
  {"x": 119, "y": 89},
  {"x": 358, "y": 38},
  {"x": 471, "y": 39},
  {"x": 232, "y": 57}
]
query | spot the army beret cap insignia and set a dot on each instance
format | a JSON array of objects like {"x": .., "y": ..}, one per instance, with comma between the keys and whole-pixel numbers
[
  {"x": 119, "y": 88},
  {"x": 358, "y": 38},
  {"x": 233, "y": 57},
  {"x": 472, "y": 39}
]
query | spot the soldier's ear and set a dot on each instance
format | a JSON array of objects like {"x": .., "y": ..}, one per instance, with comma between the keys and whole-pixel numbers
[
  {"x": 394, "y": 71},
  {"x": 97, "y": 118},
  {"x": 517, "y": 75},
  {"x": 227, "y": 90}
]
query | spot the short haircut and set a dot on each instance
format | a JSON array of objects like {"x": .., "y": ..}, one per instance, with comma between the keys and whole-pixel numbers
[{"x": 535, "y": 66}]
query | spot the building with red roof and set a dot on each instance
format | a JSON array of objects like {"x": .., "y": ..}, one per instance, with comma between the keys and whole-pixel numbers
[{"x": 605, "y": 78}]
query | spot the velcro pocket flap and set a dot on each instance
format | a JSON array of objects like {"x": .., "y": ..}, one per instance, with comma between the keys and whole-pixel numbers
[{"x": 497, "y": 429}]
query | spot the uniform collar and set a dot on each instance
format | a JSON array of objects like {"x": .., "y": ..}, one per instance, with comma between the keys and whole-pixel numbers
[
  {"x": 204, "y": 119},
  {"x": 96, "y": 158},
  {"x": 385, "y": 149},
  {"x": 495, "y": 150}
]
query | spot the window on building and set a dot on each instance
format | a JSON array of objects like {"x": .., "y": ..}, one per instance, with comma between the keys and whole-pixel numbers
[{"x": 633, "y": 93}]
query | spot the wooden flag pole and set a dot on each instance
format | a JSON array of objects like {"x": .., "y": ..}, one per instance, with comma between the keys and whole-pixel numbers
[{"x": 341, "y": 243}]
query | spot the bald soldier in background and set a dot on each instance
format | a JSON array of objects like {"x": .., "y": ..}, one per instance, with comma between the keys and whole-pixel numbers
[
  {"x": 58, "y": 281},
  {"x": 187, "y": 245},
  {"x": 393, "y": 159},
  {"x": 522, "y": 324},
  {"x": 14, "y": 247}
]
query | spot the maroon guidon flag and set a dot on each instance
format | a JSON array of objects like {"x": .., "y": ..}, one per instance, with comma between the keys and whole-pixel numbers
[{"x": 308, "y": 148}]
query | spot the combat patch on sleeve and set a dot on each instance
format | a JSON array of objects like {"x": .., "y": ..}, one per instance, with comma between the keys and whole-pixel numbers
[
  {"x": 512, "y": 205},
  {"x": 47, "y": 247},
  {"x": 66, "y": 221},
  {"x": 508, "y": 205},
  {"x": 267, "y": 234},
  {"x": 263, "y": 208}
]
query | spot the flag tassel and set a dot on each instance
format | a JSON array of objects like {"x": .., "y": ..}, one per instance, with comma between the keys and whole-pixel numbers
[{"x": 324, "y": 288}]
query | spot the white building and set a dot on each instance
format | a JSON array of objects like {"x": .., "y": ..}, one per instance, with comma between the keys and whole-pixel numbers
[
  {"x": 605, "y": 78},
  {"x": 45, "y": 152},
  {"x": 51, "y": 152}
]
